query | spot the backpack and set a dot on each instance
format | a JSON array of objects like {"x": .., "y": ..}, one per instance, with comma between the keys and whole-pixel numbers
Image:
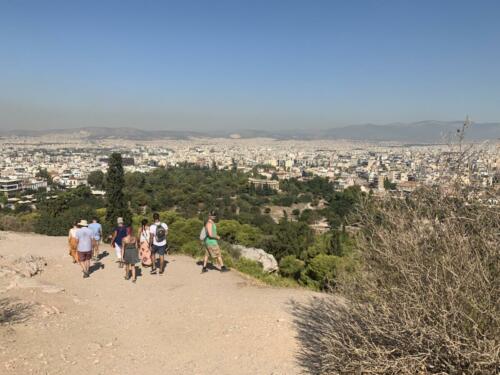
[
  {"x": 203, "y": 234},
  {"x": 161, "y": 233}
]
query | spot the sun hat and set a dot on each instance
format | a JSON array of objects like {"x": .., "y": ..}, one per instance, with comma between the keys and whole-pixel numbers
[
  {"x": 119, "y": 220},
  {"x": 83, "y": 223}
]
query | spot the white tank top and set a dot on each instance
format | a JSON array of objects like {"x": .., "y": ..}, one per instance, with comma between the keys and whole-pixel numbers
[{"x": 144, "y": 235}]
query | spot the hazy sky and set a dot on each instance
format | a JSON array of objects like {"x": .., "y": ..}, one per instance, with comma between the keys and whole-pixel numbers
[{"x": 246, "y": 64}]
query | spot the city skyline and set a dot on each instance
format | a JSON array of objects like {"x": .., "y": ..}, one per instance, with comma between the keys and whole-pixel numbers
[{"x": 238, "y": 65}]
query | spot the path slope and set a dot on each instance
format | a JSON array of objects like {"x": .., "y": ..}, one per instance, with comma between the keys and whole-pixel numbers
[{"x": 180, "y": 323}]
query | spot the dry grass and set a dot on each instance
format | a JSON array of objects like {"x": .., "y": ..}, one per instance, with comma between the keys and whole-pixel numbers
[{"x": 427, "y": 300}]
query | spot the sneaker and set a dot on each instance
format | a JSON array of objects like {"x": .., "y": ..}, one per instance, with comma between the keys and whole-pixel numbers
[
  {"x": 224, "y": 269},
  {"x": 204, "y": 269},
  {"x": 85, "y": 275}
]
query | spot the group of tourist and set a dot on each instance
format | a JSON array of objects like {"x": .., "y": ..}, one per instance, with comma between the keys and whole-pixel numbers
[{"x": 148, "y": 246}]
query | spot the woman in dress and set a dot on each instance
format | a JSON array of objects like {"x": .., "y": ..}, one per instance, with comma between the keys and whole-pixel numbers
[
  {"x": 73, "y": 242},
  {"x": 144, "y": 250},
  {"x": 130, "y": 254}
]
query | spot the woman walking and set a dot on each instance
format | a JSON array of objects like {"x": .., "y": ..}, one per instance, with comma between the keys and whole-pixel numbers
[
  {"x": 73, "y": 242},
  {"x": 129, "y": 254},
  {"x": 144, "y": 249}
]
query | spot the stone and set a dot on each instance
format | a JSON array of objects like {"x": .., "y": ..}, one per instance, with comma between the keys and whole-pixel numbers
[{"x": 268, "y": 261}]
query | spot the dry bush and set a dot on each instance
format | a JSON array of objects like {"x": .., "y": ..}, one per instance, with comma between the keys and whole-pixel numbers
[
  {"x": 13, "y": 312},
  {"x": 427, "y": 300}
]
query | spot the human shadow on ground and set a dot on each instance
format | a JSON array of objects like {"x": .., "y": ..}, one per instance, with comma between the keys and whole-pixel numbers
[
  {"x": 102, "y": 255},
  {"x": 210, "y": 265},
  {"x": 95, "y": 267}
]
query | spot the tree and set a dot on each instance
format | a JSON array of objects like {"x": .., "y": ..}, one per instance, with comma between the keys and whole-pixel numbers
[
  {"x": 388, "y": 185},
  {"x": 43, "y": 173},
  {"x": 96, "y": 179},
  {"x": 116, "y": 205}
]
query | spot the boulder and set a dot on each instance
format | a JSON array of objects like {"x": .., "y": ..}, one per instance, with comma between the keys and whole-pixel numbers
[{"x": 269, "y": 263}]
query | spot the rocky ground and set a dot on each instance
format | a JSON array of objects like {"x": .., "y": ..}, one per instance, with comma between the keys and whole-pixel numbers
[{"x": 52, "y": 321}]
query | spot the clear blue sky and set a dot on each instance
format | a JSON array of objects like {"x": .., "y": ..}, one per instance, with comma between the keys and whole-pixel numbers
[{"x": 246, "y": 64}]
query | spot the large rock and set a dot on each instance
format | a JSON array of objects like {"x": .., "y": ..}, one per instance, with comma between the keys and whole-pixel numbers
[{"x": 269, "y": 263}]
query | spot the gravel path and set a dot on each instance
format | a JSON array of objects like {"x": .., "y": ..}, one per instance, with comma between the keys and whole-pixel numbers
[{"x": 183, "y": 322}]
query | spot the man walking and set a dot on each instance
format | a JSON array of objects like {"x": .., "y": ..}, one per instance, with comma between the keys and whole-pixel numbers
[
  {"x": 84, "y": 238},
  {"x": 158, "y": 242},
  {"x": 212, "y": 248},
  {"x": 119, "y": 233},
  {"x": 96, "y": 229}
]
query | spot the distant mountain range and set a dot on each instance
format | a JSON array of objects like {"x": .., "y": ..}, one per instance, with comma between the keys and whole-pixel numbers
[{"x": 417, "y": 132}]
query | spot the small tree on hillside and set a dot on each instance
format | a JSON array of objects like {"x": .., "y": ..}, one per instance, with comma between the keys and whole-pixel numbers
[
  {"x": 96, "y": 179},
  {"x": 116, "y": 205}
]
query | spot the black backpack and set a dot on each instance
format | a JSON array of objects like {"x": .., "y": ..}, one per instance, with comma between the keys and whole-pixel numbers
[{"x": 161, "y": 233}]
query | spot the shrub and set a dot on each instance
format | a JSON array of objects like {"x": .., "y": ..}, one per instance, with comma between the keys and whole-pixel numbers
[
  {"x": 192, "y": 248},
  {"x": 254, "y": 269},
  {"x": 320, "y": 272},
  {"x": 291, "y": 267},
  {"x": 426, "y": 300},
  {"x": 18, "y": 223}
]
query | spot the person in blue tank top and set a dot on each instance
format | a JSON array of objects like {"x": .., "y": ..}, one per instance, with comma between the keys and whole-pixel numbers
[
  {"x": 119, "y": 233},
  {"x": 96, "y": 229}
]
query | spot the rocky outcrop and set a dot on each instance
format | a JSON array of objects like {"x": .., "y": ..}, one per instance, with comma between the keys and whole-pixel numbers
[
  {"x": 269, "y": 263},
  {"x": 19, "y": 274}
]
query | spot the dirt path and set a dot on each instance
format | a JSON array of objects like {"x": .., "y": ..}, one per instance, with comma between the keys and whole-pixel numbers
[{"x": 180, "y": 323}]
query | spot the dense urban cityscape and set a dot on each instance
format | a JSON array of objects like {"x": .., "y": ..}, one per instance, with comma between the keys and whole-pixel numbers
[{"x": 380, "y": 168}]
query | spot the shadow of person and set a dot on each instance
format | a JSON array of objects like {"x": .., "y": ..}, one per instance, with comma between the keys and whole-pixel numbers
[
  {"x": 96, "y": 266},
  {"x": 102, "y": 255},
  {"x": 138, "y": 271}
]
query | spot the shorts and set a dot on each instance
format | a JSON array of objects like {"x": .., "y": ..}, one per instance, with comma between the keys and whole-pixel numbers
[
  {"x": 82, "y": 257},
  {"x": 160, "y": 250},
  {"x": 213, "y": 251}
]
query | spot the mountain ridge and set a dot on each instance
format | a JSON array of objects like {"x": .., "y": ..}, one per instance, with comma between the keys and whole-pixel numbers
[{"x": 426, "y": 131}]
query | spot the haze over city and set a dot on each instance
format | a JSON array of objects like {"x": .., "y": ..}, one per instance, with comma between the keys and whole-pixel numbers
[{"x": 234, "y": 65}]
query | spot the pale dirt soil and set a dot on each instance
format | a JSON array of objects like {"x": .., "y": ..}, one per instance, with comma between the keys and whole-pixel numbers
[{"x": 180, "y": 323}]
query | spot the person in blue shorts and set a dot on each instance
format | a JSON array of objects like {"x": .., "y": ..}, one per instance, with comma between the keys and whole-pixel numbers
[{"x": 158, "y": 242}]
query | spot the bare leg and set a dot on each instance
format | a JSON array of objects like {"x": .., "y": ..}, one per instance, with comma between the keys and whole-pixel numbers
[
  {"x": 134, "y": 277},
  {"x": 220, "y": 262},
  {"x": 205, "y": 260},
  {"x": 162, "y": 263}
]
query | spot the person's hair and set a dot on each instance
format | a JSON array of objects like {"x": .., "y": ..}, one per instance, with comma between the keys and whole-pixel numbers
[
  {"x": 96, "y": 219},
  {"x": 144, "y": 222},
  {"x": 212, "y": 213},
  {"x": 156, "y": 216},
  {"x": 75, "y": 223}
]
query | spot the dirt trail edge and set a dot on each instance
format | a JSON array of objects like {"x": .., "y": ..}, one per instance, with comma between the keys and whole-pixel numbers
[{"x": 182, "y": 322}]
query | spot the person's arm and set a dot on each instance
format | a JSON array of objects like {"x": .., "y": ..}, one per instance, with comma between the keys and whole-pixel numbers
[
  {"x": 69, "y": 235},
  {"x": 113, "y": 239},
  {"x": 208, "y": 228},
  {"x": 151, "y": 237},
  {"x": 100, "y": 232}
]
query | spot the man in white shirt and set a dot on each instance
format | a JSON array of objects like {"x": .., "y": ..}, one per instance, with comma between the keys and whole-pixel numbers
[
  {"x": 158, "y": 242},
  {"x": 84, "y": 238}
]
